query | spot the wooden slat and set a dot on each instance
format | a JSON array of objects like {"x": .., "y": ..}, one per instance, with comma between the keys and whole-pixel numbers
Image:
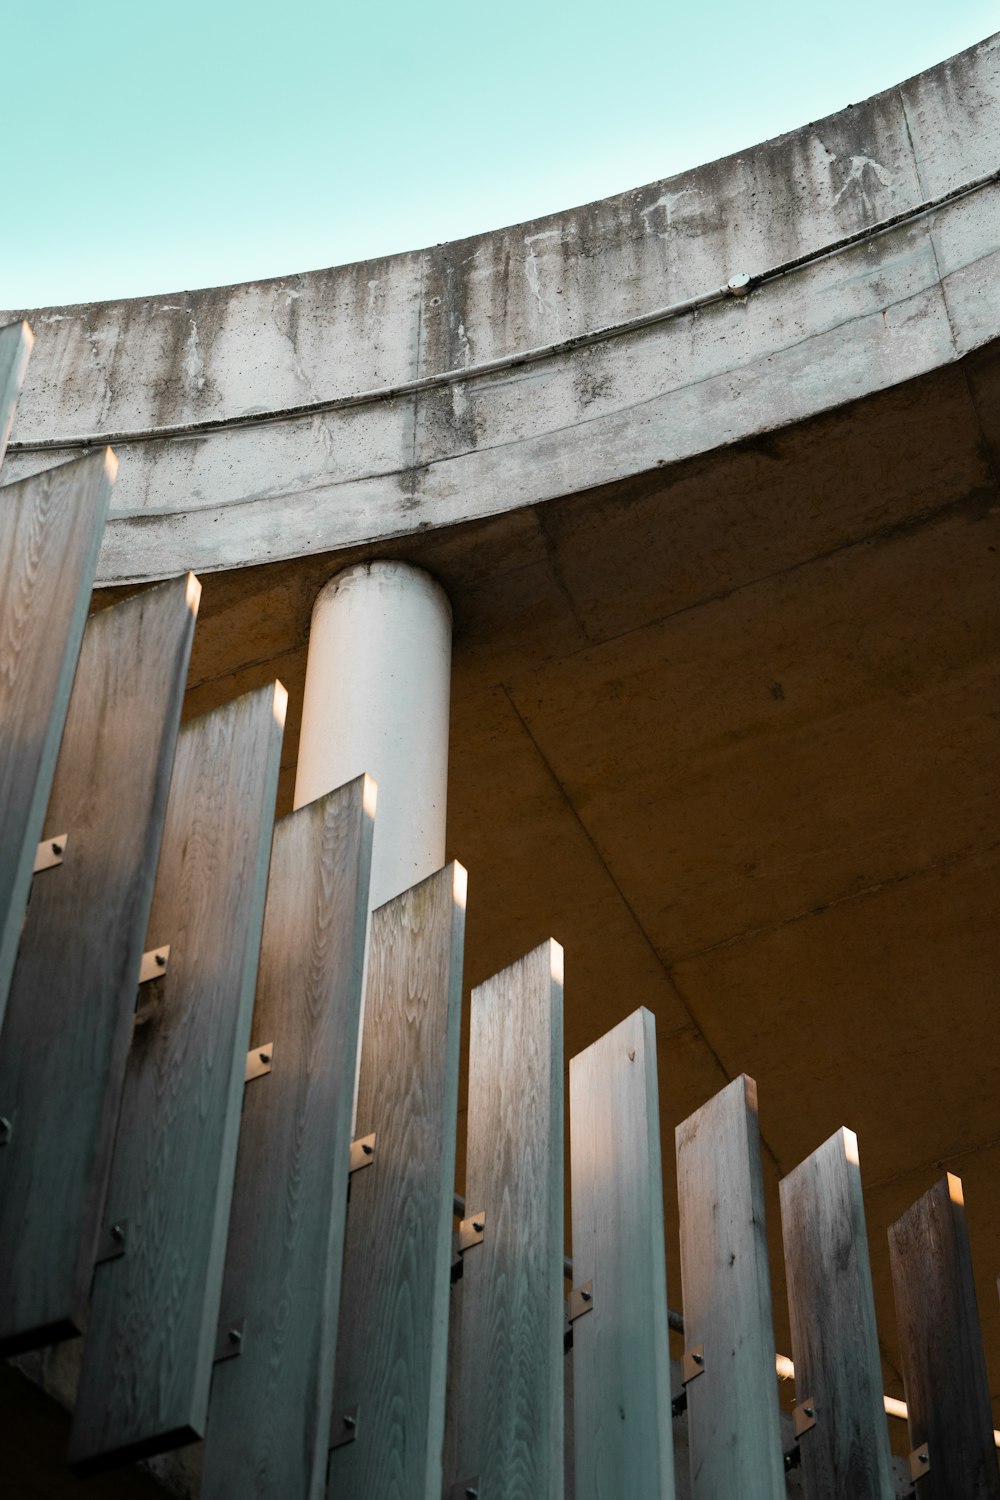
[
  {"x": 148, "y": 1356},
  {"x": 64, "y": 1045},
  {"x": 838, "y": 1372},
  {"x": 507, "y": 1393},
  {"x": 269, "y": 1416},
  {"x": 392, "y": 1341},
  {"x": 941, "y": 1348},
  {"x": 734, "y": 1433},
  {"x": 621, "y": 1364},
  {"x": 50, "y": 534},
  {"x": 16, "y": 340}
]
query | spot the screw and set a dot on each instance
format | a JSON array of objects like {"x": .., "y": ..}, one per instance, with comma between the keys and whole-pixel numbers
[
  {"x": 117, "y": 1232},
  {"x": 161, "y": 959},
  {"x": 368, "y": 1148},
  {"x": 6, "y": 1128},
  {"x": 235, "y": 1335},
  {"x": 477, "y": 1225},
  {"x": 471, "y": 1492},
  {"x": 587, "y": 1296},
  {"x": 809, "y": 1411},
  {"x": 265, "y": 1057},
  {"x": 57, "y": 848},
  {"x": 350, "y": 1421},
  {"x": 699, "y": 1359},
  {"x": 924, "y": 1457}
]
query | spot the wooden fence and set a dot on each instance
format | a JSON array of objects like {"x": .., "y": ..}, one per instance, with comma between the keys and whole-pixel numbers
[{"x": 180, "y": 1005}]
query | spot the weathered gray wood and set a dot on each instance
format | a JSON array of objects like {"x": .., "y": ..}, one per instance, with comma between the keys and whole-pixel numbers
[
  {"x": 66, "y": 1037},
  {"x": 149, "y": 1350},
  {"x": 269, "y": 1415},
  {"x": 392, "y": 1340},
  {"x": 734, "y": 1432},
  {"x": 16, "y": 340},
  {"x": 507, "y": 1406},
  {"x": 941, "y": 1348},
  {"x": 838, "y": 1372},
  {"x": 50, "y": 534},
  {"x": 621, "y": 1360}
]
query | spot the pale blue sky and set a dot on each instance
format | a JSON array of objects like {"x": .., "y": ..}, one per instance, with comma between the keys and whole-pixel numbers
[{"x": 154, "y": 147}]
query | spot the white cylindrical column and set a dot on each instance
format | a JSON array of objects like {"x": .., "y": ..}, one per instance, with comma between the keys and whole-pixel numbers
[{"x": 378, "y": 687}]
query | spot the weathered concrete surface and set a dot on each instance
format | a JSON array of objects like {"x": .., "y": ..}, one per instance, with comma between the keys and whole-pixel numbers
[{"x": 847, "y": 324}]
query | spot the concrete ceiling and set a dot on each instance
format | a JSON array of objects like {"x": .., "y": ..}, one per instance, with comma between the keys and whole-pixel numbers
[{"x": 729, "y": 731}]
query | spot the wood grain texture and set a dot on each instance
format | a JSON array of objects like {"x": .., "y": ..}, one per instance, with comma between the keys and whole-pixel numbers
[
  {"x": 50, "y": 535},
  {"x": 941, "y": 1348},
  {"x": 149, "y": 1350},
  {"x": 734, "y": 1433},
  {"x": 269, "y": 1415},
  {"x": 507, "y": 1407},
  {"x": 65, "y": 1041},
  {"x": 621, "y": 1362},
  {"x": 392, "y": 1340},
  {"x": 838, "y": 1369},
  {"x": 16, "y": 340}
]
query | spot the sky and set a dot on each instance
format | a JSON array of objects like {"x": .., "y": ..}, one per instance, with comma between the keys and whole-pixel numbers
[{"x": 157, "y": 147}]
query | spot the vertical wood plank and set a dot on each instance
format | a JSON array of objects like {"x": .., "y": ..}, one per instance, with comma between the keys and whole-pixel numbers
[
  {"x": 50, "y": 535},
  {"x": 508, "y": 1389},
  {"x": 65, "y": 1041},
  {"x": 148, "y": 1355},
  {"x": 621, "y": 1361},
  {"x": 269, "y": 1415},
  {"x": 941, "y": 1348},
  {"x": 838, "y": 1370},
  {"x": 16, "y": 340},
  {"x": 392, "y": 1342},
  {"x": 733, "y": 1426}
]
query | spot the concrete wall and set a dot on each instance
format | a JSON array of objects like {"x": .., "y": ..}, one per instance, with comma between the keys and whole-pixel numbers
[{"x": 848, "y": 323}]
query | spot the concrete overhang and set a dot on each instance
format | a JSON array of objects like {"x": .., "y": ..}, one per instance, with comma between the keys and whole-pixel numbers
[{"x": 343, "y": 407}]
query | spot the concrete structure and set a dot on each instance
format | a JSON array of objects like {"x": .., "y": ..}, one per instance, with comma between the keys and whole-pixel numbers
[
  {"x": 376, "y": 698},
  {"x": 723, "y": 567}
]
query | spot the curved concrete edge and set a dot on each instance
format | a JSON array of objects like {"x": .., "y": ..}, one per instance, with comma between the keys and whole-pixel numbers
[{"x": 862, "y": 287}]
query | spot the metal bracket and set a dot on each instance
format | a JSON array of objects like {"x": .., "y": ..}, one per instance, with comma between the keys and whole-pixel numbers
[
  {"x": 920, "y": 1462},
  {"x": 154, "y": 964},
  {"x": 343, "y": 1427},
  {"x": 112, "y": 1241},
  {"x": 258, "y": 1062},
  {"x": 229, "y": 1341},
  {"x": 50, "y": 853},
  {"x": 692, "y": 1363},
  {"x": 7, "y": 1127},
  {"x": 580, "y": 1301},
  {"x": 804, "y": 1416},
  {"x": 362, "y": 1155},
  {"x": 465, "y": 1489}
]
